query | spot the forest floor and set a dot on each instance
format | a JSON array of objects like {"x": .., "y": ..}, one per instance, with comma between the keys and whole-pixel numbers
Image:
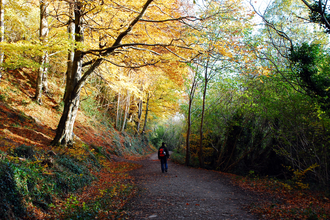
[{"x": 185, "y": 193}]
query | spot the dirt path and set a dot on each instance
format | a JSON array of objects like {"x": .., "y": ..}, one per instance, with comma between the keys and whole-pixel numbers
[{"x": 185, "y": 193}]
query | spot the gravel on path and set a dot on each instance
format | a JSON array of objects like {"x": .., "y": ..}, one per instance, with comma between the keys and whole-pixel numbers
[{"x": 185, "y": 193}]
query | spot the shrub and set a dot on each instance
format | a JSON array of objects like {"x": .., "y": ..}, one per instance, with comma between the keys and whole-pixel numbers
[
  {"x": 39, "y": 179},
  {"x": 73, "y": 174},
  {"x": 10, "y": 197},
  {"x": 24, "y": 151},
  {"x": 178, "y": 158},
  {"x": 2, "y": 98}
]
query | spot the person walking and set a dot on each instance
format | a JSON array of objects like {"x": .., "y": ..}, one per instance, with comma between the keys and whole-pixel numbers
[{"x": 163, "y": 155}]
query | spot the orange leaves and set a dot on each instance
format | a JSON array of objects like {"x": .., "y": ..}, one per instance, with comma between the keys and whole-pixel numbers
[
  {"x": 104, "y": 198},
  {"x": 285, "y": 203},
  {"x": 119, "y": 167}
]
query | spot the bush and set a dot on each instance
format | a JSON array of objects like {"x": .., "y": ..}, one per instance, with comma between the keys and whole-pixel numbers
[
  {"x": 24, "y": 151},
  {"x": 178, "y": 158},
  {"x": 10, "y": 197},
  {"x": 73, "y": 174},
  {"x": 39, "y": 179},
  {"x": 2, "y": 98}
]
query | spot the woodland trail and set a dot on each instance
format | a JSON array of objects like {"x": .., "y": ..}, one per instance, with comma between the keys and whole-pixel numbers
[{"x": 185, "y": 193}]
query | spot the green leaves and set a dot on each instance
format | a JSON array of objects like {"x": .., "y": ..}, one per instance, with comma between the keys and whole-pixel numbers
[
  {"x": 319, "y": 13},
  {"x": 310, "y": 65}
]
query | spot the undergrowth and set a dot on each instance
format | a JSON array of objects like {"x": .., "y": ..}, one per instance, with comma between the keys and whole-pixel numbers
[
  {"x": 180, "y": 157},
  {"x": 36, "y": 184}
]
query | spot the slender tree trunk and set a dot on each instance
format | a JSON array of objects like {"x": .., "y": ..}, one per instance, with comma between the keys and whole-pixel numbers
[
  {"x": 118, "y": 110},
  {"x": 128, "y": 101},
  {"x": 200, "y": 153},
  {"x": 2, "y": 33},
  {"x": 188, "y": 134},
  {"x": 139, "y": 116},
  {"x": 191, "y": 97},
  {"x": 42, "y": 84},
  {"x": 146, "y": 117},
  {"x": 43, "y": 60}
]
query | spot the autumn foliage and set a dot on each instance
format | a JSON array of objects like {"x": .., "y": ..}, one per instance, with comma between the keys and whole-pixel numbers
[{"x": 65, "y": 182}]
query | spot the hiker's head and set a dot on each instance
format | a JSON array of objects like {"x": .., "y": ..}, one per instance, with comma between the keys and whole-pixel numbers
[{"x": 163, "y": 144}]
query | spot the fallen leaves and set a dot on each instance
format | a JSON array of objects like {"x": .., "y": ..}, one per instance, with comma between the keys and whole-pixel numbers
[{"x": 278, "y": 202}]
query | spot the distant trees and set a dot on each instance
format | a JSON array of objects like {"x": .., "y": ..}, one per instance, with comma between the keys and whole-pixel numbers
[{"x": 219, "y": 39}]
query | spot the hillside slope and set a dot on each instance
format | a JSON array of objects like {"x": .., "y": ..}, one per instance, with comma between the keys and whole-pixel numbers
[
  {"x": 22, "y": 121},
  {"x": 51, "y": 182}
]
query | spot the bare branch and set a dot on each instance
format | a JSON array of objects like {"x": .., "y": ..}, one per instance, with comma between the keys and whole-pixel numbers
[
  {"x": 189, "y": 18},
  {"x": 130, "y": 67}
]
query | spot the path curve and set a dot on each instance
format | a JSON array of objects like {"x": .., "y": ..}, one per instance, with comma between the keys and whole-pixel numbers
[{"x": 185, "y": 193}]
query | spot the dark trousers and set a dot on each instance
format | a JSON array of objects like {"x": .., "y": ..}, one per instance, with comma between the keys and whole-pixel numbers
[{"x": 163, "y": 163}]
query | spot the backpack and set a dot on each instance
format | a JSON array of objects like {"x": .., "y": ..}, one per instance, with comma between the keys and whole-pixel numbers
[{"x": 162, "y": 152}]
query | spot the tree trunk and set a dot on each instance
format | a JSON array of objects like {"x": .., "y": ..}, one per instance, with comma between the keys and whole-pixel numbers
[
  {"x": 69, "y": 74},
  {"x": 43, "y": 60},
  {"x": 2, "y": 32},
  {"x": 128, "y": 101},
  {"x": 188, "y": 134},
  {"x": 191, "y": 97},
  {"x": 64, "y": 132},
  {"x": 139, "y": 116},
  {"x": 146, "y": 117},
  {"x": 42, "y": 77},
  {"x": 118, "y": 112},
  {"x": 200, "y": 153}
]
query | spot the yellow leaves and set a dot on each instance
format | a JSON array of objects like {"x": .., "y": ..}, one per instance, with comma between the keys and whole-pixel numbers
[
  {"x": 20, "y": 53},
  {"x": 222, "y": 49},
  {"x": 21, "y": 20},
  {"x": 298, "y": 176}
]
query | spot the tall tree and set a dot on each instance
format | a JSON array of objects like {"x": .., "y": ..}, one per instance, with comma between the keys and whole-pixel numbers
[
  {"x": 219, "y": 38},
  {"x": 191, "y": 95},
  {"x": 140, "y": 108},
  {"x": 71, "y": 103},
  {"x": 146, "y": 115},
  {"x": 71, "y": 33},
  {"x": 122, "y": 32},
  {"x": 206, "y": 80}
]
